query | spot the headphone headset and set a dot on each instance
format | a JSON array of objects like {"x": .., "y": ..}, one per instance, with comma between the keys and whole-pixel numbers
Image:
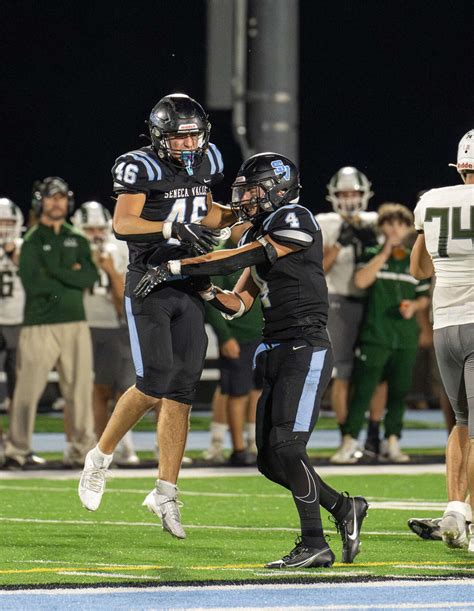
[{"x": 41, "y": 189}]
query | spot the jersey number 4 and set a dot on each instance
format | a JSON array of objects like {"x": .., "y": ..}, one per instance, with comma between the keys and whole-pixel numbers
[{"x": 449, "y": 228}]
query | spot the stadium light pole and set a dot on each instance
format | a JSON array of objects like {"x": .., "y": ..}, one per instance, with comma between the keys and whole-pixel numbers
[{"x": 273, "y": 68}]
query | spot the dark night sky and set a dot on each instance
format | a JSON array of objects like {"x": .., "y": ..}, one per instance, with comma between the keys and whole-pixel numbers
[{"x": 386, "y": 86}]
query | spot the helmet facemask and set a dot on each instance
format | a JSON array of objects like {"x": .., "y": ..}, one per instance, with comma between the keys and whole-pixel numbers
[
  {"x": 11, "y": 221},
  {"x": 189, "y": 158},
  {"x": 349, "y": 192},
  {"x": 265, "y": 196}
]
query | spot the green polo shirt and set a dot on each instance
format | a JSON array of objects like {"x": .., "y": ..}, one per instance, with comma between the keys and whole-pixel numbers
[
  {"x": 54, "y": 289},
  {"x": 383, "y": 324}
]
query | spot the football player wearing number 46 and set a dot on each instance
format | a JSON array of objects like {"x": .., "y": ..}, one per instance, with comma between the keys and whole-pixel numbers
[
  {"x": 165, "y": 209},
  {"x": 282, "y": 256},
  {"x": 444, "y": 219}
]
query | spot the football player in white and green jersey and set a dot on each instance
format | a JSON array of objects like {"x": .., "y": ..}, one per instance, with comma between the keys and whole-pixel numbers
[
  {"x": 444, "y": 219},
  {"x": 12, "y": 296}
]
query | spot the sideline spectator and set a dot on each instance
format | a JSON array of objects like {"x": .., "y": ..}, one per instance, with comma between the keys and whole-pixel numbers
[
  {"x": 114, "y": 372},
  {"x": 346, "y": 232},
  {"x": 12, "y": 296},
  {"x": 389, "y": 334},
  {"x": 55, "y": 268}
]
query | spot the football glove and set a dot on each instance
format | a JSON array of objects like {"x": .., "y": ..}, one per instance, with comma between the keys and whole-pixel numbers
[
  {"x": 366, "y": 236},
  {"x": 201, "y": 238},
  {"x": 346, "y": 235},
  {"x": 153, "y": 277}
]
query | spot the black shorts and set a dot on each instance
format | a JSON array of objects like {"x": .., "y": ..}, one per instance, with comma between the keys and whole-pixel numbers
[
  {"x": 296, "y": 375},
  {"x": 168, "y": 342},
  {"x": 237, "y": 375}
]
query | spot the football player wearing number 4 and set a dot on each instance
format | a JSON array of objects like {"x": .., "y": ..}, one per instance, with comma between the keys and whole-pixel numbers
[
  {"x": 282, "y": 254},
  {"x": 444, "y": 219},
  {"x": 165, "y": 209}
]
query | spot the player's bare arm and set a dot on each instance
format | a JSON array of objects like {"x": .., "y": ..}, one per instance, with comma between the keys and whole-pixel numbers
[
  {"x": 236, "y": 303},
  {"x": 421, "y": 263},
  {"x": 128, "y": 225}
]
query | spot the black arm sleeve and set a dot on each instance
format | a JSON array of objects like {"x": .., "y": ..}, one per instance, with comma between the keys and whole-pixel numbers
[{"x": 224, "y": 267}]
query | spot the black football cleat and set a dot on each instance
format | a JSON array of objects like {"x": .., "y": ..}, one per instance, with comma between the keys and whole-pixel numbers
[
  {"x": 302, "y": 556},
  {"x": 426, "y": 528},
  {"x": 349, "y": 528}
]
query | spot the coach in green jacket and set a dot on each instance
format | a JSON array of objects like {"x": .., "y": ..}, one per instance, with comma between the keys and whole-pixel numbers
[
  {"x": 388, "y": 338},
  {"x": 55, "y": 268}
]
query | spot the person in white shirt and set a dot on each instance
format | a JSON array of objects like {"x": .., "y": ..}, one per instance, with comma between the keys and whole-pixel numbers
[
  {"x": 444, "y": 218},
  {"x": 346, "y": 232},
  {"x": 113, "y": 365}
]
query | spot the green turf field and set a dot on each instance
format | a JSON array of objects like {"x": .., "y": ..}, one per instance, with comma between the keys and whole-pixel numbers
[
  {"x": 234, "y": 525},
  {"x": 53, "y": 423}
]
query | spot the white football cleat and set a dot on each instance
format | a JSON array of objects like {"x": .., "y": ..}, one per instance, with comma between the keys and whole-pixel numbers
[
  {"x": 348, "y": 453},
  {"x": 390, "y": 451},
  {"x": 166, "y": 507},
  {"x": 470, "y": 549},
  {"x": 454, "y": 530},
  {"x": 92, "y": 482}
]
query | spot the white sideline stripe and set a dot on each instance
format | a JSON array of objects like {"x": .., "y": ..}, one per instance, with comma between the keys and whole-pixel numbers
[
  {"x": 204, "y": 472},
  {"x": 374, "y": 504},
  {"x": 430, "y": 567},
  {"x": 408, "y": 583},
  {"x": 196, "y": 526},
  {"x": 116, "y": 575}
]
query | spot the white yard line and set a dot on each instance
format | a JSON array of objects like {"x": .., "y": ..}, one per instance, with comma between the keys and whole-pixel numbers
[
  {"x": 386, "y": 503},
  {"x": 204, "y": 472},
  {"x": 195, "y": 526}
]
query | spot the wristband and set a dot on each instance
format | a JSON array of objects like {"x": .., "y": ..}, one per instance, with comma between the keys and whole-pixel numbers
[
  {"x": 240, "y": 312},
  {"x": 209, "y": 294},
  {"x": 167, "y": 229},
  {"x": 174, "y": 267}
]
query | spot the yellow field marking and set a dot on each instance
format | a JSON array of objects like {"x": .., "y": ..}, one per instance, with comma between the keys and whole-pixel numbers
[
  {"x": 135, "y": 567},
  {"x": 145, "y": 567}
]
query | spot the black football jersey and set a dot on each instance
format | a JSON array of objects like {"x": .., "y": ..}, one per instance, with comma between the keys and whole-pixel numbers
[
  {"x": 293, "y": 290},
  {"x": 171, "y": 195}
]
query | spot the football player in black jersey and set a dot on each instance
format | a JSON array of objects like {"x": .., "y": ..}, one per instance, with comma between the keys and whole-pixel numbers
[
  {"x": 165, "y": 209},
  {"x": 282, "y": 253}
]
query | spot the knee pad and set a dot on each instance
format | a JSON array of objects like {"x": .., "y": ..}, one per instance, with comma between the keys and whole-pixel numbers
[{"x": 288, "y": 445}]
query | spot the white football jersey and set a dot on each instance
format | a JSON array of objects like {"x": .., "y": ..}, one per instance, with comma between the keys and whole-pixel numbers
[
  {"x": 446, "y": 216},
  {"x": 98, "y": 301},
  {"x": 340, "y": 278},
  {"x": 12, "y": 295}
]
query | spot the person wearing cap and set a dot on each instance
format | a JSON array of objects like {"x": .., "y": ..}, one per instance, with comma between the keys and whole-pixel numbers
[
  {"x": 444, "y": 219},
  {"x": 55, "y": 268}
]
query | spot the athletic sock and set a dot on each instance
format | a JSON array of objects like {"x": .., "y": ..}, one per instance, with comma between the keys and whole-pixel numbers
[
  {"x": 373, "y": 436},
  {"x": 250, "y": 430},
  {"x": 166, "y": 488},
  {"x": 218, "y": 431},
  {"x": 336, "y": 503},
  {"x": 100, "y": 459}
]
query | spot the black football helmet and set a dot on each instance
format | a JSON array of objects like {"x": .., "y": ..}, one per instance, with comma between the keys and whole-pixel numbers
[
  {"x": 174, "y": 115},
  {"x": 278, "y": 179}
]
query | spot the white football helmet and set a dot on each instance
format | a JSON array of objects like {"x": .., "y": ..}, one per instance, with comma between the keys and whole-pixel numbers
[
  {"x": 11, "y": 220},
  {"x": 465, "y": 161},
  {"x": 92, "y": 215},
  {"x": 345, "y": 180}
]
